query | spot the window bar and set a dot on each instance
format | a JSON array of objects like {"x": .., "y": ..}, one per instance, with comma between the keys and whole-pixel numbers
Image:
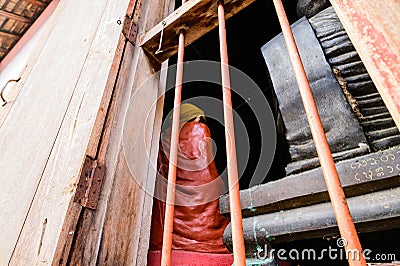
[
  {"x": 166, "y": 255},
  {"x": 233, "y": 181},
  {"x": 342, "y": 213}
]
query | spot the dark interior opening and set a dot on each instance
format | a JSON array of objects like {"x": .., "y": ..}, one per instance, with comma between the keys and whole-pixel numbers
[{"x": 247, "y": 32}]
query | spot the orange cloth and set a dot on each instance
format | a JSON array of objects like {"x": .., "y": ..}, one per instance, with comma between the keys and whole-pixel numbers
[{"x": 198, "y": 224}]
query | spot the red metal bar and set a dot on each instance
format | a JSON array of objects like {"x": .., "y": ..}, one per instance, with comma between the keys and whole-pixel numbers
[
  {"x": 233, "y": 181},
  {"x": 342, "y": 213},
  {"x": 173, "y": 158}
]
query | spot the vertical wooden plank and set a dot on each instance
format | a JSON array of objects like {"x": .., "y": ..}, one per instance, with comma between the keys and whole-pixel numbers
[
  {"x": 90, "y": 226},
  {"x": 110, "y": 235},
  {"x": 98, "y": 232},
  {"x": 146, "y": 215},
  {"x": 373, "y": 28},
  {"x": 146, "y": 211},
  {"x": 30, "y": 130},
  {"x": 94, "y": 142},
  {"x": 125, "y": 216},
  {"x": 97, "y": 131},
  {"x": 62, "y": 170}
]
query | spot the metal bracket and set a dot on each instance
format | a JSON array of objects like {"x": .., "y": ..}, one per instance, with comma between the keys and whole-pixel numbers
[
  {"x": 3, "y": 89},
  {"x": 130, "y": 30},
  {"x": 90, "y": 183}
]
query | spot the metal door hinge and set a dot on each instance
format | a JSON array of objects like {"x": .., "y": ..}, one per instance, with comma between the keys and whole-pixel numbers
[
  {"x": 90, "y": 183},
  {"x": 130, "y": 30}
]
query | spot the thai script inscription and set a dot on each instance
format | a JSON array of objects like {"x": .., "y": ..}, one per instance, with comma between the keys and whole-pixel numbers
[
  {"x": 378, "y": 166},
  {"x": 385, "y": 200}
]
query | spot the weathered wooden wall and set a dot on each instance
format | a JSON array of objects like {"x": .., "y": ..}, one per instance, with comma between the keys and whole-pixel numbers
[
  {"x": 118, "y": 231},
  {"x": 45, "y": 135}
]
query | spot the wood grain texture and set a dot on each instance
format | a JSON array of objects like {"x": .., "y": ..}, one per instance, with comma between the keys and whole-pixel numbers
[
  {"x": 91, "y": 224},
  {"x": 373, "y": 29},
  {"x": 32, "y": 60},
  {"x": 111, "y": 234},
  {"x": 67, "y": 235},
  {"x": 87, "y": 226},
  {"x": 124, "y": 224},
  {"x": 94, "y": 87},
  {"x": 144, "y": 238},
  {"x": 71, "y": 102},
  {"x": 36, "y": 2},
  {"x": 197, "y": 17},
  {"x": 122, "y": 218},
  {"x": 15, "y": 17},
  {"x": 95, "y": 138},
  {"x": 9, "y": 35}
]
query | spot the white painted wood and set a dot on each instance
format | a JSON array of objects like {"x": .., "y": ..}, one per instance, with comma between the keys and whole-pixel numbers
[
  {"x": 16, "y": 69},
  {"x": 58, "y": 182},
  {"x": 45, "y": 135},
  {"x": 146, "y": 211},
  {"x": 117, "y": 229}
]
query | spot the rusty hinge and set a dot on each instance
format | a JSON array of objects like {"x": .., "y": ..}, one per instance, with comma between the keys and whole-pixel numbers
[
  {"x": 130, "y": 30},
  {"x": 90, "y": 182}
]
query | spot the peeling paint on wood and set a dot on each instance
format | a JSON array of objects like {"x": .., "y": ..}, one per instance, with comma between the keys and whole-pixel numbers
[{"x": 373, "y": 28}]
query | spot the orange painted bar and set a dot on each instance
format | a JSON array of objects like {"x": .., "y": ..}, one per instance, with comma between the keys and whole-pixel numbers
[
  {"x": 166, "y": 254},
  {"x": 233, "y": 180},
  {"x": 342, "y": 213}
]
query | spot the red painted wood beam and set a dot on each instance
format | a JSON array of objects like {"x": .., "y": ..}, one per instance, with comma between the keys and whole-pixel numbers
[{"x": 373, "y": 27}]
